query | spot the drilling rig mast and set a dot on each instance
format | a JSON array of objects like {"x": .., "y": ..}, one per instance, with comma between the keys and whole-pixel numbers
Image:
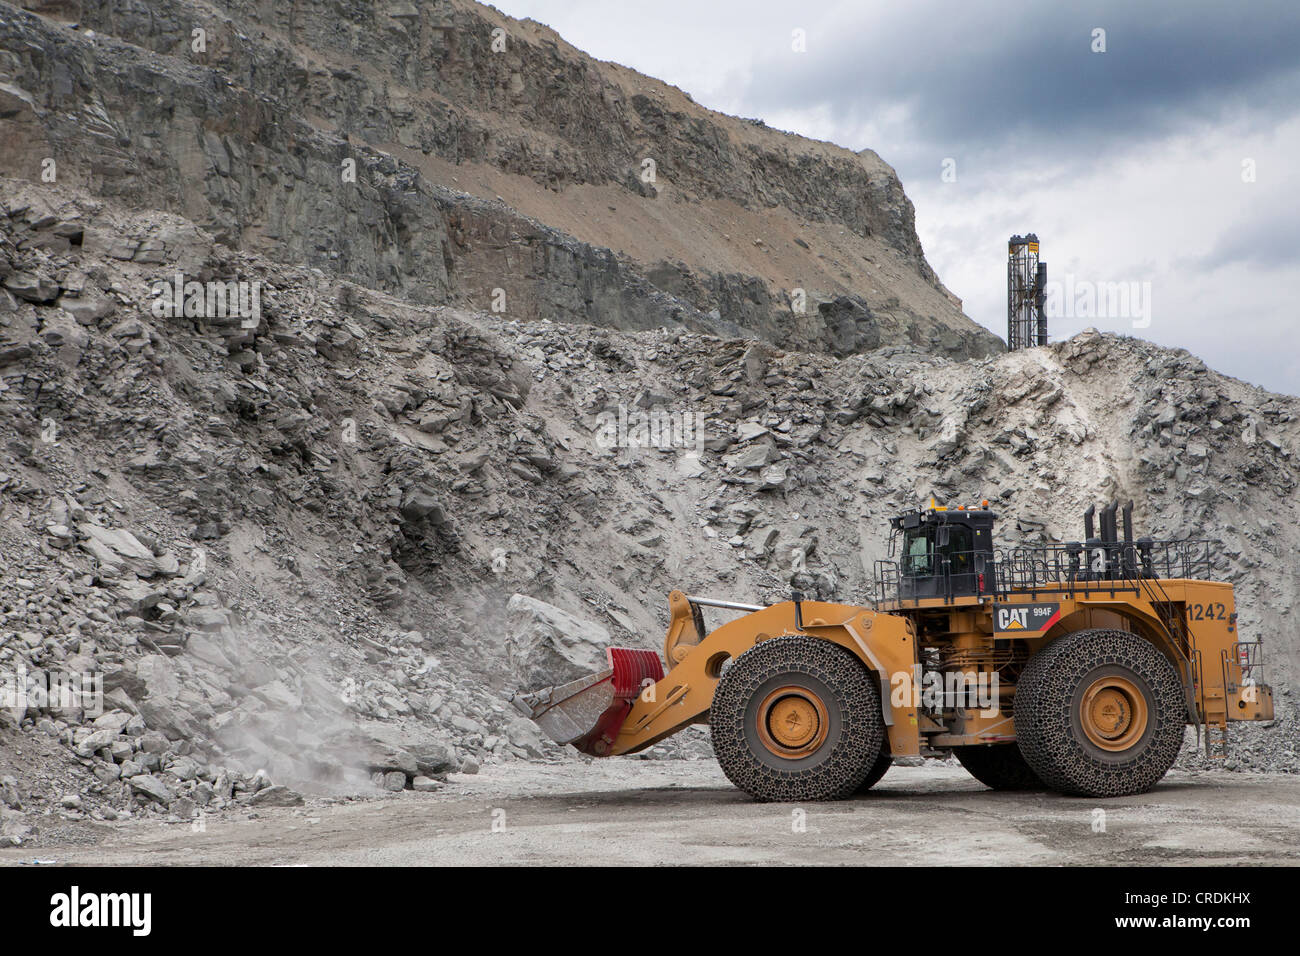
[{"x": 1026, "y": 285}]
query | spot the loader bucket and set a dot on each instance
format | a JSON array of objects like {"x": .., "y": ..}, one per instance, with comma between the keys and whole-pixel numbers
[{"x": 588, "y": 712}]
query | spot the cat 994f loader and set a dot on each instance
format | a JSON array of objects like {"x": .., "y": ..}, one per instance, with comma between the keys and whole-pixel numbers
[{"x": 1072, "y": 667}]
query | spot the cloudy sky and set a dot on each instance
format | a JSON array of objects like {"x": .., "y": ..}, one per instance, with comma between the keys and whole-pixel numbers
[{"x": 1164, "y": 152}]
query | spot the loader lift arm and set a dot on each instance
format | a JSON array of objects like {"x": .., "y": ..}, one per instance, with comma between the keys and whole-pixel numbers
[{"x": 884, "y": 643}]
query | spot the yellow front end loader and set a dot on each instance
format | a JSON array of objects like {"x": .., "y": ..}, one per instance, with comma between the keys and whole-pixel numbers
[{"x": 1071, "y": 667}]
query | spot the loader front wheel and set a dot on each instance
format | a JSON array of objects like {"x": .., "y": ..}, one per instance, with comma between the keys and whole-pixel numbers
[
  {"x": 797, "y": 718},
  {"x": 1100, "y": 713},
  {"x": 1000, "y": 766}
]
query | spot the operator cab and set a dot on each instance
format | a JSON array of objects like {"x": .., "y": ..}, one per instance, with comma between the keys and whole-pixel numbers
[{"x": 946, "y": 552}]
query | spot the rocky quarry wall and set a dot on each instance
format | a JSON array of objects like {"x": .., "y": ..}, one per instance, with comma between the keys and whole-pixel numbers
[{"x": 248, "y": 139}]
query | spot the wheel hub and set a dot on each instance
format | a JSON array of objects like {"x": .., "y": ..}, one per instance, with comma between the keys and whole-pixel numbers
[
  {"x": 792, "y": 722},
  {"x": 1113, "y": 713}
]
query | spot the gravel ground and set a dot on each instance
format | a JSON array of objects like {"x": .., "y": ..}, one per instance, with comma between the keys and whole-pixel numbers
[{"x": 672, "y": 812}]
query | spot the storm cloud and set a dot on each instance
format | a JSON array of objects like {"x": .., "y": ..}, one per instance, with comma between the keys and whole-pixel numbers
[{"x": 1167, "y": 158}]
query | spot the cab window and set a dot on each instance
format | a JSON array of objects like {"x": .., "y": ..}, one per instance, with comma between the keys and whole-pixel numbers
[
  {"x": 917, "y": 553},
  {"x": 958, "y": 550}
]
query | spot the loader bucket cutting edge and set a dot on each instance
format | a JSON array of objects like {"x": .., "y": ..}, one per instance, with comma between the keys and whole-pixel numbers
[{"x": 589, "y": 712}]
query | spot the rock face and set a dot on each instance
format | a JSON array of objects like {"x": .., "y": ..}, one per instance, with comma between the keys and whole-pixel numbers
[{"x": 619, "y": 190}]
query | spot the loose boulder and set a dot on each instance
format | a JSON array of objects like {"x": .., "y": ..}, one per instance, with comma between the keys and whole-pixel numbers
[{"x": 548, "y": 645}]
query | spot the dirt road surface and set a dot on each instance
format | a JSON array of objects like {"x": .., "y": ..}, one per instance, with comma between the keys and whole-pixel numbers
[{"x": 674, "y": 812}]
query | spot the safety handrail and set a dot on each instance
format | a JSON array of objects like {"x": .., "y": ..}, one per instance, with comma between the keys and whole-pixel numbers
[{"x": 1088, "y": 567}]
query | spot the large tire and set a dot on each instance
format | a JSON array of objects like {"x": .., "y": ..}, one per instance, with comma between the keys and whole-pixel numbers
[
  {"x": 797, "y": 718},
  {"x": 878, "y": 770},
  {"x": 1000, "y": 766},
  {"x": 1100, "y": 713}
]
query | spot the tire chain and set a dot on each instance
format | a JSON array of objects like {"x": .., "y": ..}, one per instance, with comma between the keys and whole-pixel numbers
[
  {"x": 852, "y": 755},
  {"x": 878, "y": 769},
  {"x": 1046, "y": 729}
]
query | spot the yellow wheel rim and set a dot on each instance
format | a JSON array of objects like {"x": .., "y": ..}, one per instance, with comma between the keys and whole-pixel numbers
[
  {"x": 792, "y": 722},
  {"x": 1113, "y": 713}
]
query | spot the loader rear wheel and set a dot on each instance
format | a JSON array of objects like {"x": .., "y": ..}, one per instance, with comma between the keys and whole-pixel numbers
[
  {"x": 797, "y": 718},
  {"x": 878, "y": 769},
  {"x": 1100, "y": 713},
  {"x": 1000, "y": 766}
]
